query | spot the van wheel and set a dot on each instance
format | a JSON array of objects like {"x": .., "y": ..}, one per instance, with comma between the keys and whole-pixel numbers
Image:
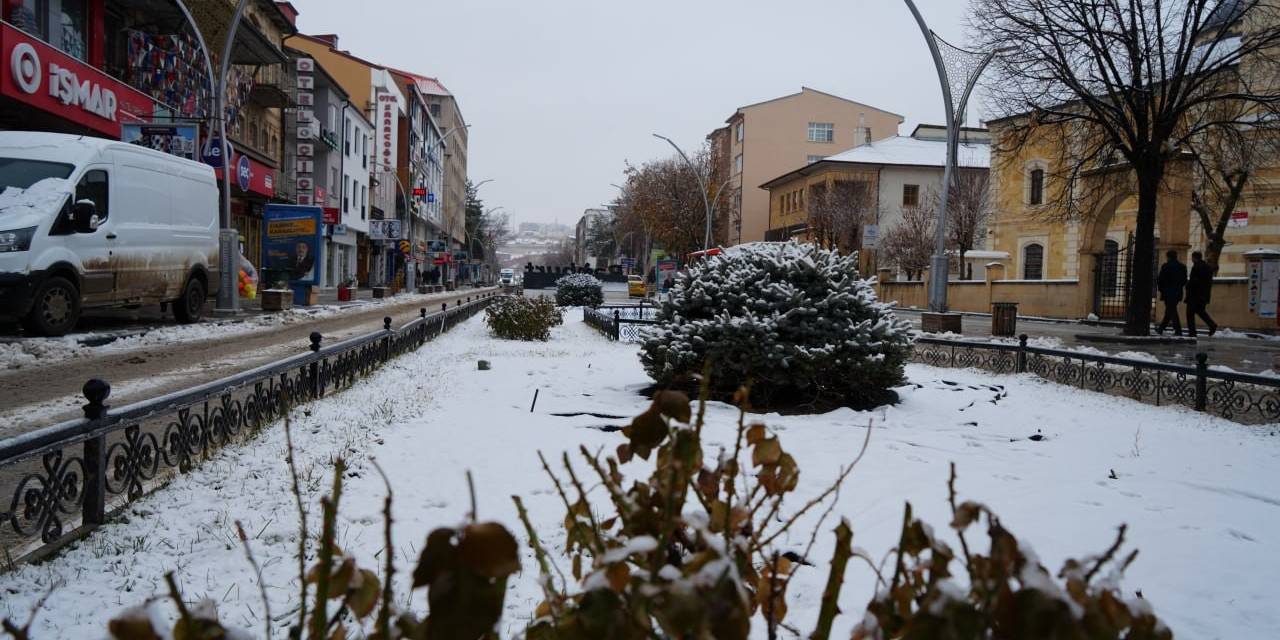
[
  {"x": 55, "y": 310},
  {"x": 190, "y": 307}
]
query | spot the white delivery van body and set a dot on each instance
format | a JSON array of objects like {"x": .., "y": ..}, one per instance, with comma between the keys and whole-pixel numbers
[{"x": 89, "y": 222}]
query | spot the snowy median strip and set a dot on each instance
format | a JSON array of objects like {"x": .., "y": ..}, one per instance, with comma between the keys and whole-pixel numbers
[{"x": 1063, "y": 467}]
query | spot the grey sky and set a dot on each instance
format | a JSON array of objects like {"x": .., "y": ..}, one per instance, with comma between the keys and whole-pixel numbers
[{"x": 559, "y": 94}]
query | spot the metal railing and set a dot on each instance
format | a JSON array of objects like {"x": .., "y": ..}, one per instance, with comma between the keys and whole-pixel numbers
[
  {"x": 621, "y": 323},
  {"x": 1242, "y": 397},
  {"x": 60, "y": 482}
]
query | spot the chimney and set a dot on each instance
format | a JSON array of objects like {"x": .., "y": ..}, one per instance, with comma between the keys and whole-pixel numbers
[
  {"x": 290, "y": 12},
  {"x": 330, "y": 39}
]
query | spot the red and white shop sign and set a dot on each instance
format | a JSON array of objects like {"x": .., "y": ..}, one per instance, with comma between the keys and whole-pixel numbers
[
  {"x": 261, "y": 179},
  {"x": 41, "y": 76}
]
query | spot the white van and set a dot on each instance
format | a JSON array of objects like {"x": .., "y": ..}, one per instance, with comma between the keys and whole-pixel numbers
[{"x": 87, "y": 222}]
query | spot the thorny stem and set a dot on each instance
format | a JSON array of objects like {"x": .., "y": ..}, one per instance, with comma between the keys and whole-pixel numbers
[
  {"x": 619, "y": 500},
  {"x": 769, "y": 618},
  {"x": 384, "y": 609},
  {"x": 732, "y": 484},
  {"x": 835, "y": 486},
  {"x": 176, "y": 595},
  {"x": 582, "y": 496},
  {"x": 257, "y": 570},
  {"x": 556, "y": 481},
  {"x": 902, "y": 542},
  {"x": 704, "y": 393},
  {"x": 1106, "y": 557},
  {"x": 296, "y": 488},
  {"x": 319, "y": 619},
  {"x": 548, "y": 587},
  {"x": 24, "y": 633},
  {"x": 964, "y": 544}
]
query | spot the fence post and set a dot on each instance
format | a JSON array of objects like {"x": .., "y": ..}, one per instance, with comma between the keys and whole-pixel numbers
[
  {"x": 94, "y": 507},
  {"x": 1022, "y": 353},
  {"x": 386, "y": 340},
  {"x": 316, "y": 391},
  {"x": 1202, "y": 381},
  {"x": 617, "y": 326}
]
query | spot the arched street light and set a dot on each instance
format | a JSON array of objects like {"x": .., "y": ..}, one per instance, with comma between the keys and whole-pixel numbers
[
  {"x": 958, "y": 80},
  {"x": 708, "y": 205}
]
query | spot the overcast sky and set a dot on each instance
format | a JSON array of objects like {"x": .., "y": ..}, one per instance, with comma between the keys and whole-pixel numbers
[{"x": 560, "y": 93}]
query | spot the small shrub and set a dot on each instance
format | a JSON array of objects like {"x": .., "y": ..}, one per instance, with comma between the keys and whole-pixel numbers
[
  {"x": 520, "y": 318},
  {"x": 579, "y": 290},
  {"x": 796, "y": 322}
]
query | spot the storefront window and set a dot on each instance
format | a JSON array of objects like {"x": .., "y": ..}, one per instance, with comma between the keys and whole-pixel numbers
[
  {"x": 72, "y": 33},
  {"x": 31, "y": 16}
]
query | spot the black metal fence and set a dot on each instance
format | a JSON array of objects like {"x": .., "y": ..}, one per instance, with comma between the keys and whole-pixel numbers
[
  {"x": 1242, "y": 397},
  {"x": 627, "y": 323},
  {"x": 60, "y": 482}
]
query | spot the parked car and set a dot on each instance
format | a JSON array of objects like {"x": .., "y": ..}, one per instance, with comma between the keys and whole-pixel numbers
[
  {"x": 88, "y": 222},
  {"x": 635, "y": 286}
]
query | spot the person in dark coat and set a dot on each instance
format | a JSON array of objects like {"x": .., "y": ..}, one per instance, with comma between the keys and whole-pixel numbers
[
  {"x": 1199, "y": 286},
  {"x": 1170, "y": 283}
]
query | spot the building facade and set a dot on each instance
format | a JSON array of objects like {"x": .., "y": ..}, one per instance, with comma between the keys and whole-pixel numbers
[
  {"x": 764, "y": 140},
  {"x": 876, "y": 183}
]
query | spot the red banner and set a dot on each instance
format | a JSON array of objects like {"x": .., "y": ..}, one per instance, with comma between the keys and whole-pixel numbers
[
  {"x": 251, "y": 175},
  {"x": 332, "y": 215},
  {"x": 43, "y": 77}
]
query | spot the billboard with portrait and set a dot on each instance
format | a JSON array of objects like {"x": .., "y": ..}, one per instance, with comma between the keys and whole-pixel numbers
[
  {"x": 178, "y": 139},
  {"x": 292, "y": 240}
]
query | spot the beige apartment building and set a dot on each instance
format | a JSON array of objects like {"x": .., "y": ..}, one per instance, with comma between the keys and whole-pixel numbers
[{"x": 762, "y": 141}]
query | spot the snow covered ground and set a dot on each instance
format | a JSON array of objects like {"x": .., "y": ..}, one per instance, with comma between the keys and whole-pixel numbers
[
  {"x": 1197, "y": 493},
  {"x": 29, "y": 352}
]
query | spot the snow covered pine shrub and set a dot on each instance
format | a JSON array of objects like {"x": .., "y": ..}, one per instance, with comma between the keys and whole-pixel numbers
[
  {"x": 796, "y": 322},
  {"x": 579, "y": 290},
  {"x": 520, "y": 318}
]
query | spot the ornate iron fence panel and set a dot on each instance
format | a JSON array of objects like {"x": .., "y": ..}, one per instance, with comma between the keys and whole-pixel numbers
[
  {"x": 623, "y": 324},
  {"x": 60, "y": 482},
  {"x": 1244, "y": 398}
]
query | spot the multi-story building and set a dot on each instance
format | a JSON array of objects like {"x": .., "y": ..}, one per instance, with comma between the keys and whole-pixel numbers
[
  {"x": 141, "y": 66},
  {"x": 584, "y": 250},
  {"x": 422, "y": 171},
  {"x": 357, "y": 174},
  {"x": 872, "y": 184},
  {"x": 764, "y": 140},
  {"x": 375, "y": 92}
]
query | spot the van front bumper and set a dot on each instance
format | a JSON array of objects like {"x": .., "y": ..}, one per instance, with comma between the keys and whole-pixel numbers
[{"x": 16, "y": 293}]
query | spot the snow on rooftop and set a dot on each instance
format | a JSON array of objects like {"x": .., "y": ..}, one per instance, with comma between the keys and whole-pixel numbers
[{"x": 906, "y": 150}]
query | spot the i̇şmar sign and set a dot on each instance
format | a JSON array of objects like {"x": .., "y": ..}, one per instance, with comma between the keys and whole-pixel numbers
[
  {"x": 292, "y": 242},
  {"x": 52, "y": 81}
]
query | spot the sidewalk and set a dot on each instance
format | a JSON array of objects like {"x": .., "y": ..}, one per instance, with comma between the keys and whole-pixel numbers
[{"x": 1234, "y": 350}]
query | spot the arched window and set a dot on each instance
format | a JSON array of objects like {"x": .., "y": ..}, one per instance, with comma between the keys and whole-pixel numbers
[
  {"x": 1033, "y": 262},
  {"x": 1035, "y": 191},
  {"x": 1111, "y": 268}
]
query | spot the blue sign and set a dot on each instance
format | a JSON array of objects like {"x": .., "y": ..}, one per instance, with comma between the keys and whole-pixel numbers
[
  {"x": 212, "y": 155},
  {"x": 243, "y": 173},
  {"x": 292, "y": 241},
  {"x": 431, "y": 197}
]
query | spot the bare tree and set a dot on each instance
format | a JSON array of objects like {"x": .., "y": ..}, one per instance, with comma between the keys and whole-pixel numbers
[
  {"x": 1126, "y": 86},
  {"x": 967, "y": 212},
  {"x": 909, "y": 244},
  {"x": 1227, "y": 162},
  {"x": 663, "y": 198},
  {"x": 838, "y": 214}
]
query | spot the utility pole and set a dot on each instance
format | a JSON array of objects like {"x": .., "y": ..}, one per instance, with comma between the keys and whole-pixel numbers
[{"x": 228, "y": 239}]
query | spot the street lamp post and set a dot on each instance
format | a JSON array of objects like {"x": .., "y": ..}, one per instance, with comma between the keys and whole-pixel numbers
[
  {"x": 967, "y": 66},
  {"x": 708, "y": 205}
]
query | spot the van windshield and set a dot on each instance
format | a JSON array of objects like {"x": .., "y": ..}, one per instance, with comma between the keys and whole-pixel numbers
[{"x": 22, "y": 173}]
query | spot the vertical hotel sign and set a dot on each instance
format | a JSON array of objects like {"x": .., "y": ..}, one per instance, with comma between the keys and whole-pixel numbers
[
  {"x": 305, "y": 122},
  {"x": 388, "y": 121}
]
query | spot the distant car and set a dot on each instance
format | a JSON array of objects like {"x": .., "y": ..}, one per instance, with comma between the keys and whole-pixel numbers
[
  {"x": 507, "y": 277},
  {"x": 635, "y": 286}
]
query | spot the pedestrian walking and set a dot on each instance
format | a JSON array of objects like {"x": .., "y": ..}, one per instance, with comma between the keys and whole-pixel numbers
[
  {"x": 1199, "y": 287},
  {"x": 1171, "y": 281}
]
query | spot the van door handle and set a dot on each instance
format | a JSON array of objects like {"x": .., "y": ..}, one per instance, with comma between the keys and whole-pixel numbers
[{"x": 111, "y": 236}]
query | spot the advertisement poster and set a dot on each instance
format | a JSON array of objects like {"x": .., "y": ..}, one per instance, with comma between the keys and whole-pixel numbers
[
  {"x": 292, "y": 241},
  {"x": 1269, "y": 296},
  {"x": 667, "y": 274},
  {"x": 386, "y": 229},
  {"x": 178, "y": 139}
]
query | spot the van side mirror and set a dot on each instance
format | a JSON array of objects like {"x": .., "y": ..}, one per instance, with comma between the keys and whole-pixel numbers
[{"x": 84, "y": 216}]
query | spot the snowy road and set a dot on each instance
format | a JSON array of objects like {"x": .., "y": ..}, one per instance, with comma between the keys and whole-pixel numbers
[
  {"x": 46, "y": 389},
  {"x": 1198, "y": 493}
]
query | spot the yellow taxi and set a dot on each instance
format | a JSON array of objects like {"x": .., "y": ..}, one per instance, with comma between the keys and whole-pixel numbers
[{"x": 635, "y": 286}]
